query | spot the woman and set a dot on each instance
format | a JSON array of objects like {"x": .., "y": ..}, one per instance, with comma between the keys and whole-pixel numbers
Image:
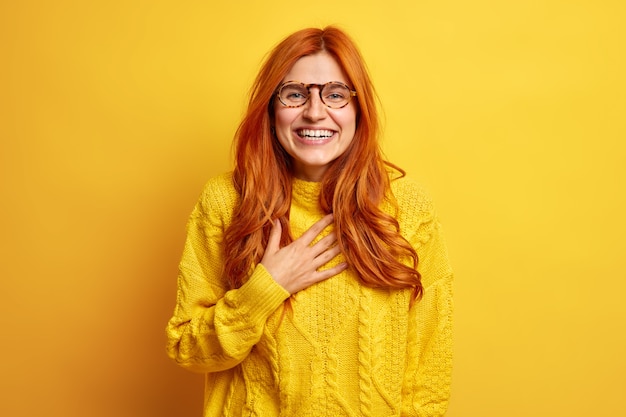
[{"x": 300, "y": 292}]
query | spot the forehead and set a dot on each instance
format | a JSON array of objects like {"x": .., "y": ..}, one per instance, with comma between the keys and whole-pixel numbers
[{"x": 319, "y": 68}]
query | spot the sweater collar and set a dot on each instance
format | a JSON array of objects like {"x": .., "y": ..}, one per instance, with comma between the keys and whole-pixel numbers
[{"x": 306, "y": 193}]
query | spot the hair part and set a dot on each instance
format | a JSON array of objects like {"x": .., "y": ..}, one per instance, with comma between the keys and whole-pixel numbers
[{"x": 353, "y": 187}]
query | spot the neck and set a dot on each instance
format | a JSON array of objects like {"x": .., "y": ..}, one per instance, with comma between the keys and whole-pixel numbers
[{"x": 310, "y": 174}]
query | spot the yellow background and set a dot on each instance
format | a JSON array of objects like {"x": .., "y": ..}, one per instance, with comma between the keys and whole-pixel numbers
[{"x": 113, "y": 114}]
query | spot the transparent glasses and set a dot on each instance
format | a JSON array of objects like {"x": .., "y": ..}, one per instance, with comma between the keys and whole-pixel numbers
[{"x": 334, "y": 94}]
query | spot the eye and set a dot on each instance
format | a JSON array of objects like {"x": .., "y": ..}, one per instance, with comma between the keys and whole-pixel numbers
[
  {"x": 293, "y": 94},
  {"x": 335, "y": 96},
  {"x": 336, "y": 93}
]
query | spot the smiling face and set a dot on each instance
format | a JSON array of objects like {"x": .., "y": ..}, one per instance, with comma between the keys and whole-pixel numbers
[{"x": 314, "y": 135}]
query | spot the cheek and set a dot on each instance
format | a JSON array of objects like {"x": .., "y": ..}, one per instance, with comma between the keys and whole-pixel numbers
[
  {"x": 282, "y": 129},
  {"x": 348, "y": 124},
  {"x": 283, "y": 118}
]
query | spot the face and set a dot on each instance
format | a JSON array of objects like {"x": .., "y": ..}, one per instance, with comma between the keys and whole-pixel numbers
[{"x": 314, "y": 135}]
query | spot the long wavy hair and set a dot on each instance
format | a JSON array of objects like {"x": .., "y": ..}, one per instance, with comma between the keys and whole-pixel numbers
[{"x": 353, "y": 187}]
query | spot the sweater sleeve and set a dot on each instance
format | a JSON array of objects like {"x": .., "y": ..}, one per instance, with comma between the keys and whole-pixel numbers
[
  {"x": 426, "y": 387},
  {"x": 213, "y": 329}
]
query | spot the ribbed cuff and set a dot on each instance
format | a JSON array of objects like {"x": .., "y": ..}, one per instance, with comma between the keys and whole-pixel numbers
[{"x": 260, "y": 296}]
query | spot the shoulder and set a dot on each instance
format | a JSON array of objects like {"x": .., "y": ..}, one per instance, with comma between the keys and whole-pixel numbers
[
  {"x": 411, "y": 196},
  {"x": 218, "y": 199},
  {"x": 219, "y": 189}
]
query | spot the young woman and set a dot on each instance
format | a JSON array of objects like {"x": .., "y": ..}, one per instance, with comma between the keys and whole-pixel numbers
[{"x": 314, "y": 280}]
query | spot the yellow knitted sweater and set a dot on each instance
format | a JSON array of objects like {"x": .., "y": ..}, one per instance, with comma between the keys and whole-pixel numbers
[{"x": 344, "y": 350}]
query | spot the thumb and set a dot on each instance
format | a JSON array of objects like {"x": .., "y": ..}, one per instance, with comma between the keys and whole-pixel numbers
[{"x": 273, "y": 243}]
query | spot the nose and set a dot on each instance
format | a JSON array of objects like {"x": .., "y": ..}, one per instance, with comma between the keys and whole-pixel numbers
[{"x": 314, "y": 108}]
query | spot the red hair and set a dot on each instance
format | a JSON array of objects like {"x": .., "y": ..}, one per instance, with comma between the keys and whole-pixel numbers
[{"x": 353, "y": 187}]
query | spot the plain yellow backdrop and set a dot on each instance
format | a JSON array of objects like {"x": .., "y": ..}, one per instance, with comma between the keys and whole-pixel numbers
[{"x": 113, "y": 115}]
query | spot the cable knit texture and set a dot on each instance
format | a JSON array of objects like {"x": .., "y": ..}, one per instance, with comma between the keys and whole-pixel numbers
[{"x": 344, "y": 350}]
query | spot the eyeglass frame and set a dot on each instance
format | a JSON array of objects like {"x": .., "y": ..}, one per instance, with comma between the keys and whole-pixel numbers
[{"x": 320, "y": 87}]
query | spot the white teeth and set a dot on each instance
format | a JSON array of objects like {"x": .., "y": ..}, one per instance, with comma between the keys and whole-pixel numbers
[{"x": 321, "y": 134}]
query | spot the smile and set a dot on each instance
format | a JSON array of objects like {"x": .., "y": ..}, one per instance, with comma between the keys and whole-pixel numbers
[{"x": 315, "y": 134}]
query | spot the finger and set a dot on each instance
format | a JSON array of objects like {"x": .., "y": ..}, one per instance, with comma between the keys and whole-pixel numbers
[
  {"x": 310, "y": 235},
  {"x": 324, "y": 257},
  {"x": 273, "y": 243},
  {"x": 324, "y": 243},
  {"x": 331, "y": 272}
]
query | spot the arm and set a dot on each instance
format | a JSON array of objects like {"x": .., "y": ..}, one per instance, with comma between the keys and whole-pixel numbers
[
  {"x": 426, "y": 388},
  {"x": 213, "y": 329}
]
